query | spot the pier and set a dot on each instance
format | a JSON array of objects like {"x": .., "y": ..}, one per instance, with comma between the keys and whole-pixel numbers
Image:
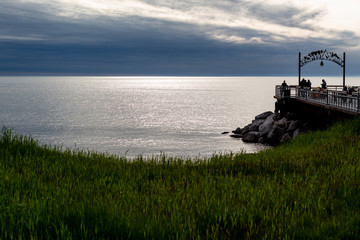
[{"x": 332, "y": 102}]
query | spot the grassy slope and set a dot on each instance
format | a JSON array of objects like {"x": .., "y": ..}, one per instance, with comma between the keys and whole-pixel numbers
[{"x": 308, "y": 188}]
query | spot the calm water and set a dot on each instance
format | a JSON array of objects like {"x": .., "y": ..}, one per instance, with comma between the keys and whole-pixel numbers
[{"x": 179, "y": 116}]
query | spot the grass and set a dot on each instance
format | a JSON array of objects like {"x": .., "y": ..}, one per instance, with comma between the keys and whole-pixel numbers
[{"x": 308, "y": 188}]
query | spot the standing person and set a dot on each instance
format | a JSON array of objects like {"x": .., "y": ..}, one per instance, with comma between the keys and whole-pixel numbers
[
  {"x": 303, "y": 83},
  {"x": 309, "y": 83},
  {"x": 284, "y": 86},
  {"x": 323, "y": 84}
]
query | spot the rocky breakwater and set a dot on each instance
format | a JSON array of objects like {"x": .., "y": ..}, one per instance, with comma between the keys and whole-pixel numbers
[{"x": 271, "y": 128}]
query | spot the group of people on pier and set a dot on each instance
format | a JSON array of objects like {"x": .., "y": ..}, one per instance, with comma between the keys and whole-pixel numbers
[
  {"x": 304, "y": 83},
  {"x": 305, "y": 86},
  {"x": 349, "y": 90}
]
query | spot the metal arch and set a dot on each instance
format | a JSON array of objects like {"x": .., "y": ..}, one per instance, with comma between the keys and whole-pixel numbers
[{"x": 322, "y": 55}]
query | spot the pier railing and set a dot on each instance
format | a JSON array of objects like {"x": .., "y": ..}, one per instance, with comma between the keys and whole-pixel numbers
[{"x": 332, "y": 96}]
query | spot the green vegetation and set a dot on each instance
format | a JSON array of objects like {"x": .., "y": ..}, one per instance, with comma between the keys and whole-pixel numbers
[{"x": 307, "y": 188}]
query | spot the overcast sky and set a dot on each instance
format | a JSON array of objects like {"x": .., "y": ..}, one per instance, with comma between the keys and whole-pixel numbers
[{"x": 172, "y": 37}]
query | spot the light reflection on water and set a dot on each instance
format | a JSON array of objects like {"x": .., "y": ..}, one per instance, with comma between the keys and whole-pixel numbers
[{"x": 179, "y": 116}]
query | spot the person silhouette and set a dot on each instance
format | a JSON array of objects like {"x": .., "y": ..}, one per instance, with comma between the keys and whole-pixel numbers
[
  {"x": 284, "y": 86},
  {"x": 323, "y": 84}
]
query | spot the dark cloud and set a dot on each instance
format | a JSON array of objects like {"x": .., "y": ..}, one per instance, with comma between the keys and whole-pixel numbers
[
  {"x": 34, "y": 40},
  {"x": 175, "y": 57}
]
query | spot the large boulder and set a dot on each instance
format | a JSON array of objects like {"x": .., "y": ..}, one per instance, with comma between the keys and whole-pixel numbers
[
  {"x": 262, "y": 140},
  {"x": 295, "y": 124},
  {"x": 277, "y": 117},
  {"x": 264, "y": 115},
  {"x": 237, "y": 131},
  {"x": 296, "y": 132},
  {"x": 240, "y": 132},
  {"x": 266, "y": 127},
  {"x": 281, "y": 123},
  {"x": 255, "y": 124},
  {"x": 251, "y": 137},
  {"x": 245, "y": 129},
  {"x": 276, "y": 134},
  {"x": 286, "y": 138}
]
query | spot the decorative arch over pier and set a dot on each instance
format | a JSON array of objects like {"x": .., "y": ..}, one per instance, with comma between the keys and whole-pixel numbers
[{"x": 322, "y": 55}]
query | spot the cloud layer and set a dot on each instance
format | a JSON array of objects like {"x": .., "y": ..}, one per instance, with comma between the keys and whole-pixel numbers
[{"x": 140, "y": 37}]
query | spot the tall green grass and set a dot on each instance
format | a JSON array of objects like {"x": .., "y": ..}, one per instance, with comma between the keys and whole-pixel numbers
[{"x": 307, "y": 188}]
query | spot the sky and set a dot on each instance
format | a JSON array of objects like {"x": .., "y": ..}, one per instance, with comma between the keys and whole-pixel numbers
[{"x": 176, "y": 38}]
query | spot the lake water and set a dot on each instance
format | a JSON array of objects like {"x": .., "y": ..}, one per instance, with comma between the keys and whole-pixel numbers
[{"x": 178, "y": 116}]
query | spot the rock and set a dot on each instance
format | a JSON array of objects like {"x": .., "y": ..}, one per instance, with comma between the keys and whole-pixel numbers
[
  {"x": 236, "y": 135},
  {"x": 237, "y": 131},
  {"x": 264, "y": 115},
  {"x": 251, "y": 137},
  {"x": 306, "y": 126},
  {"x": 262, "y": 140},
  {"x": 224, "y": 132},
  {"x": 255, "y": 124},
  {"x": 286, "y": 138},
  {"x": 291, "y": 115},
  {"x": 293, "y": 125},
  {"x": 296, "y": 132},
  {"x": 287, "y": 125},
  {"x": 277, "y": 117},
  {"x": 276, "y": 134},
  {"x": 269, "y": 127},
  {"x": 246, "y": 129},
  {"x": 281, "y": 123},
  {"x": 266, "y": 127}
]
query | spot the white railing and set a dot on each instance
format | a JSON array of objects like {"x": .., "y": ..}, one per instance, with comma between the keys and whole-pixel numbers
[
  {"x": 285, "y": 92},
  {"x": 332, "y": 96}
]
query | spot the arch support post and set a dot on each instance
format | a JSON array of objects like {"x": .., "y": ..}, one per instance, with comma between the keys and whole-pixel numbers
[
  {"x": 344, "y": 71},
  {"x": 299, "y": 67}
]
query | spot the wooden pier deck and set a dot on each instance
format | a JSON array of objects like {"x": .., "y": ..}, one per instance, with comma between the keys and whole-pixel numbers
[{"x": 332, "y": 101}]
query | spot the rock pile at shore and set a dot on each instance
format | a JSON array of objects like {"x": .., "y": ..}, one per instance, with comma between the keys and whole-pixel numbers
[{"x": 271, "y": 128}]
